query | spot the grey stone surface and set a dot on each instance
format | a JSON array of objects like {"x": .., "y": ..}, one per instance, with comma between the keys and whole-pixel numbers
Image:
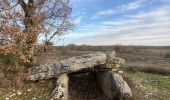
[
  {"x": 74, "y": 64},
  {"x": 106, "y": 85},
  {"x": 122, "y": 87},
  {"x": 61, "y": 90},
  {"x": 111, "y": 83},
  {"x": 113, "y": 86}
]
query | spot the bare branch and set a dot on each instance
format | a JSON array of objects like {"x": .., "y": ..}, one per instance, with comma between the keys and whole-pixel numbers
[{"x": 24, "y": 22}]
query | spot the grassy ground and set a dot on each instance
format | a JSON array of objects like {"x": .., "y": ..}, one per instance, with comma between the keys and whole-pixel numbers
[
  {"x": 148, "y": 86},
  {"x": 145, "y": 86},
  {"x": 31, "y": 91},
  {"x": 148, "y": 74}
]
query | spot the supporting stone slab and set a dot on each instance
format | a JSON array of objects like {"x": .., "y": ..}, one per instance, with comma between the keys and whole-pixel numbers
[
  {"x": 113, "y": 86},
  {"x": 61, "y": 90}
]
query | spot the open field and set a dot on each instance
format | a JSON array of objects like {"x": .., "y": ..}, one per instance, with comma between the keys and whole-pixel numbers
[{"x": 146, "y": 70}]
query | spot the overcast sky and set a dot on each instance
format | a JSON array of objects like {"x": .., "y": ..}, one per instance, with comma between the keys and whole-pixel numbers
[{"x": 126, "y": 22}]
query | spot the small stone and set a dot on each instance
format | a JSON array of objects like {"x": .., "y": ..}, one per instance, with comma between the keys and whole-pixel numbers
[
  {"x": 34, "y": 98},
  {"x": 6, "y": 98},
  {"x": 114, "y": 70},
  {"x": 29, "y": 90},
  {"x": 120, "y": 72},
  {"x": 19, "y": 93},
  {"x": 12, "y": 95}
]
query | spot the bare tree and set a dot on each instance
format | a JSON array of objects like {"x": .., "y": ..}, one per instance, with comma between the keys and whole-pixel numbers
[{"x": 24, "y": 22}]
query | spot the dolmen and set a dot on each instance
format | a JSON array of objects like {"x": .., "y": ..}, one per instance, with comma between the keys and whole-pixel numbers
[{"x": 105, "y": 64}]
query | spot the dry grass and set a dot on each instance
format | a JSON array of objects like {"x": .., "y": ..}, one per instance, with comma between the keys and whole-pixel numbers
[
  {"x": 149, "y": 69},
  {"x": 83, "y": 88},
  {"x": 149, "y": 63}
]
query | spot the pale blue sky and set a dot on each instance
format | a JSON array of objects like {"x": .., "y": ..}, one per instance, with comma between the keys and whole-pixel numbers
[{"x": 126, "y": 22}]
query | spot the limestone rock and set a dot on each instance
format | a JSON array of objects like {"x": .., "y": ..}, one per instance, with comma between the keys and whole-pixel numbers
[
  {"x": 74, "y": 64},
  {"x": 106, "y": 85},
  {"x": 105, "y": 65},
  {"x": 122, "y": 87},
  {"x": 61, "y": 90},
  {"x": 113, "y": 86}
]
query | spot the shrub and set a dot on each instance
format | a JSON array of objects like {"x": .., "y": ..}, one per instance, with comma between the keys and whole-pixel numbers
[
  {"x": 167, "y": 55},
  {"x": 9, "y": 63},
  {"x": 149, "y": 69}
]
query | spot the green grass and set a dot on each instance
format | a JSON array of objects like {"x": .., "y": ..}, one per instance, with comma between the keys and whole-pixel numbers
[
  {"x": 159, "y": 84},
  {"x": 167, "y": 55},
  {"x": 157, "y": 81}
]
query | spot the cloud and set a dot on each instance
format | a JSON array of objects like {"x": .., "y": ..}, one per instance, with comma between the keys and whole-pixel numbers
[
  {"x": 132, "y": 5},
  {"x": 144, "y": 28},
  {"x": 85, "y": 1},
  {"x": 122, "y": 8},
  {"x": 106, "y": 12},
  {"x": 100, "y": 14},
  {"x": 77, "y": 20}
]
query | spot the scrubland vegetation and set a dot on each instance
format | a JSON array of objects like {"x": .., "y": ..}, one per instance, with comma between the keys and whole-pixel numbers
[
  {"x": 146, "y": 70},
  {"x": 167, "y": 55}
]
